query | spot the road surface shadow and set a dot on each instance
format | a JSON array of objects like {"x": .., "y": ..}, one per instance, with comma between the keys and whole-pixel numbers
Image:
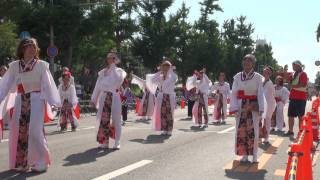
[
  {"x": 11, "y": 174},
  {"x": 278, "y": 133},
  {"x": 259, "y": 175},
  {"x": 186, "y": 119},
  {"x": 220, "y": 124},
  {"x": 59, "y": 132},
  {"x": 88, "y": 156},
  {"x": 245, "y": 171},
  {"x": 144, "y": 121},
  {"x": 193, "y": 129},
  {"x": 152, "y": 139}
]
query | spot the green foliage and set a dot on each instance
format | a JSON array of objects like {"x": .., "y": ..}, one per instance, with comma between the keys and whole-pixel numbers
[
  {"x": 85, "y": 30},
  {"x": 8, "y": 41}
]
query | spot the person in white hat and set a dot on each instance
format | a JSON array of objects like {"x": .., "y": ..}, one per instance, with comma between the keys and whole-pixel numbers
[
  {"x": 106, "y": 98},
  {"x": 298, "y": 95}
]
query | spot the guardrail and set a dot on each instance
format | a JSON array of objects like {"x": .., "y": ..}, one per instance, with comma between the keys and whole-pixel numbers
[{"x": 299, "y": 165}]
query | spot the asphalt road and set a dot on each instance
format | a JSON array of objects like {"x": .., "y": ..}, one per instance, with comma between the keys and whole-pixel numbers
[{"x": 191, "y": 153}]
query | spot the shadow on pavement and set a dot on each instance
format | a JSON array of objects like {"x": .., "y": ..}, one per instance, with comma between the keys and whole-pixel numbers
[
  {"x": 220, "y": 124},
  {"x": 152, "y": 139},
  {"x": 245, "y": 171},
  {"x": 186, "y": 119},
  {"x": 193, "y": 129},
  {"x": 259, "y": 175},
  {"x": 278, "y": 133},
  {"x": 144, "y": 121},
  {"x": 11, "y": 174},
  {"x": 88, "y": 156}
]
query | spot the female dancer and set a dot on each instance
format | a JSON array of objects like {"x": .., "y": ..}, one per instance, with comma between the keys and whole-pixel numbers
[
  {"x": 163, "y": 81},
  {"x": 106, "y": 98},
  {"x": 247, "y": 101},
  {"x": 147, "y": 101},
  {"x": 281, "y": 97},
  {"x": 202, "y": 84},
  {"x": 31, "y": 79},
  {"x": 69, "y": 99},
  {"x": 222, "y": 93}
]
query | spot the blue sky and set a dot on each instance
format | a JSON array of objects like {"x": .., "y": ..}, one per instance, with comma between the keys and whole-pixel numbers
[{"x": 289, "y": 25}]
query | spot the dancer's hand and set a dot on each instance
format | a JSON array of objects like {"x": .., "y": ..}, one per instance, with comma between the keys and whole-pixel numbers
[{"x": 92, "y": 104}]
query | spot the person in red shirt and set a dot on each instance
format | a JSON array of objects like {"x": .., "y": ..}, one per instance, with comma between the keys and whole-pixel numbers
[{"x": 298, "y": 95}]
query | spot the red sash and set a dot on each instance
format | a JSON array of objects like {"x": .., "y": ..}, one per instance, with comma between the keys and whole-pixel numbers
[{"x": 241, "y": 95}]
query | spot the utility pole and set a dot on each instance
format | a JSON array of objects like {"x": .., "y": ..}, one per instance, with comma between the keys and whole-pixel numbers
[
  {"x": 118, "y": 27},
  {"x": 51, "y": 41}
]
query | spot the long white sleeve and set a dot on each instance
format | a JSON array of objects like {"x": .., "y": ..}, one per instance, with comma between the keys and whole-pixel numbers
[
  {"x": 6, "y": 84},
  {"x": 228, "y": 91},
  {"x": 191, "y": 82},
  {"x": 96, "y": 91},
  {"x": 285, "y": 95},
  {"x": 234, "y": 106},
  {"x": 260, "y": 95},
  {"x": 49, "y": 91},
  {"x": 153, "y": 81}
]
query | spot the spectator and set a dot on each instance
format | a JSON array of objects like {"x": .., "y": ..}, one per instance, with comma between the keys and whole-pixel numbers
[{"x": 298, "y": 95}]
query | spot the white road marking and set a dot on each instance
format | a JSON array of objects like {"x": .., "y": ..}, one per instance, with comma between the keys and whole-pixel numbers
[
  {"x": 89, "y": 127},
  {"x": 227, "y": 130},
  {"x": 124, "y": 170},
  {"x": 4, "y": 140}
]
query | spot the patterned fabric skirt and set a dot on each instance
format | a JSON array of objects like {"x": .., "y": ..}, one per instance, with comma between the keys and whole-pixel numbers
[
  {"x": 145, "y": 104},
  {"x": 104, "y": 127},
  {"x": 245, "y": 130},
  {"x": 274, "y": 119},
  {"x": 219, "y": 114},
  {"x": 66, "y": 113},
  {"x": 23, "y": 135},
  {"x": 166, "y": 114},
  {"x": 202, "y": 105}
]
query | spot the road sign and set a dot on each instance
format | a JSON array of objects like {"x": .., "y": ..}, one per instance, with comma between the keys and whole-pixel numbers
[
  {"x": 52, "y": 51},
  {"x": 24, "y": 35}
]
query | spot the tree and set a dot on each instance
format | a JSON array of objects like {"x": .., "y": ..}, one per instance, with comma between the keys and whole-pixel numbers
[
  {"x": 264, "y": 56},
  {"x": 237, "y": 40},
  {"x": 8, "y": 41},
  {"x": 155, "y": 38}
]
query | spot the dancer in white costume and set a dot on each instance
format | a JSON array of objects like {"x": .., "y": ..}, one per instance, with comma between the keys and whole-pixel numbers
[
  {"x": 163, "y": 81},
  {"x": 269, "y": 104},
  {"x": 70, "y": 109},
  {"x": 201, "y": 82},
  {"x": 106, "y": 98},
  {"x": 282, "y": 98},
  {"x": 247, "y": 102},
  {"x": 221, "y": 89},
  {"x": 147, "y": 101},
  {"x": 31, "y": 79}
]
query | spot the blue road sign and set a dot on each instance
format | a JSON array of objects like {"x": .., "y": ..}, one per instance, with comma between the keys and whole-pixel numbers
[
  {"x": 52, "y": 51},
  {"x": 24, "y": 35}
]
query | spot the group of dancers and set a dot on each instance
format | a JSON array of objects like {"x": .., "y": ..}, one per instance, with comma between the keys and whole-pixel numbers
[{"x": 28, "y": 94}]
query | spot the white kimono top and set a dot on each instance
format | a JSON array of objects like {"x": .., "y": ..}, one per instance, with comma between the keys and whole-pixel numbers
[
  {"x": 251, "y": 85},
  {"x": 202, "y": 86}
]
